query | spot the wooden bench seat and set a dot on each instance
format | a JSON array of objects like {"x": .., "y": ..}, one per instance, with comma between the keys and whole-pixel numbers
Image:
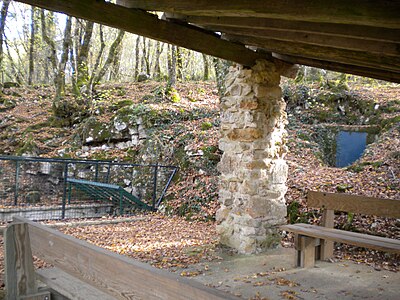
[
  {"x": 314, "y": 242},
  {"x": 347, "y": 237},
  {"x": 68, "y": 286}
]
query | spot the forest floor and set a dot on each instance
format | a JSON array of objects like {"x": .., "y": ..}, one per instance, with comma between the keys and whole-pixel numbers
[{"x": 176, "y": 242}]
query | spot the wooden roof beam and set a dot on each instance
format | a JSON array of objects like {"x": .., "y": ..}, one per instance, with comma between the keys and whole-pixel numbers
[
  {"x": 340, "y": 67},
  {"x": 343, "y": 30},
  {"x": 149, "y": 25},
  {"x": 343, "y": 56},
  {"x": 383, "y": 13},
  {"x": 319, "y": 39}
]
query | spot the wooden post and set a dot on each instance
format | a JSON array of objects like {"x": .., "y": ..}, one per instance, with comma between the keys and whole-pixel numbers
[
  {"x": 305, "y": 247},
  {"x": 19, "y": 271},
  {"x": 326, "y": 248}
]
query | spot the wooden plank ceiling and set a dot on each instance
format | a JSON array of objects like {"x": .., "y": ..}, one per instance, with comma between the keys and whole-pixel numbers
[{"x": 360, "y": 37}]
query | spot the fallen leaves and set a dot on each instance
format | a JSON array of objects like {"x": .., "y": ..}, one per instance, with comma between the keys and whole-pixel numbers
[{"x": 164, "y": 242}]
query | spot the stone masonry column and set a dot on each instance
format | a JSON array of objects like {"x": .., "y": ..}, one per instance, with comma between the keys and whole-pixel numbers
[{"x": 253, "y": 169}]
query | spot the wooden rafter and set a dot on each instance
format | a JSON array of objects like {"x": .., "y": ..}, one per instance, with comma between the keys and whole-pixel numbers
[
  {"x": 149, "y": 25},
  {"x": 340, "y": 67},
  {"x": 329, "y": 29},
  {"x": 382, "y": 13},
  {"x": 319, "y": 39},
  {"x": 344, "y": 56}
]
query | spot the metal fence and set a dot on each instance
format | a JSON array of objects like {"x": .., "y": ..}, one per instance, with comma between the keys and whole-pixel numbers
[{"x": 37, "y": 188}]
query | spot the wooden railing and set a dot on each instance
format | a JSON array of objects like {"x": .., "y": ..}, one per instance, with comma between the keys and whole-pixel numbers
[{"x": 84, "y": 271}]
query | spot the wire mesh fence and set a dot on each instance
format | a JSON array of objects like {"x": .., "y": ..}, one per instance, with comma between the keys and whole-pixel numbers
[{"x": 39, "y": 188}]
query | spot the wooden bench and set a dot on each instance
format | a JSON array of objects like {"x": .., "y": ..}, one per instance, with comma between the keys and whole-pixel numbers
[
  {"x": 316, "y": 242},
  {"x": 84, "y": 271}
]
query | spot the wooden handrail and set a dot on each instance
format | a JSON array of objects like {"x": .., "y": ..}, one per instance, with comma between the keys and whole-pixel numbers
[{"x": 114, "y": 274}]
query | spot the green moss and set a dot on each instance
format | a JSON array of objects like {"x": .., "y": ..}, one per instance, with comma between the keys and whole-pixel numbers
[
  {"x": 7, "y": 104},
  {"x": 206, "y": 125},
  {"x": 361, "y": 166},
  {"x": 28, "y": 145},
  {"x": 175, "y": 97},
  {"x": 341, "y": 188},
  {"x": 389, "y": 122},
  {"x": 122, "y": 103}
]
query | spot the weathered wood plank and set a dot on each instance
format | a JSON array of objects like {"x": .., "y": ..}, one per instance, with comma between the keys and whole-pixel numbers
[
  {"x": 116, "y": 275},
  {"x": 319, "y": 39},
  {"x": 37, "y": 296},
  {"x": 358, "y": 58},
  {"x": 352, "y": 238},
  {"x": 148, "y": 25},
  {"x": 69, "y": 286},
  {"x": 10, "y": 276},
  {"x": 19, "y": 271},
  {"x": 384, "y": 13},
  {"x": 306, "y": 251},
  {"x": 326, "y": 248},
  {"x": 332, "y": 29},
  {"x": 340, "y": 67},
  {"x": 357, "y": 204}
]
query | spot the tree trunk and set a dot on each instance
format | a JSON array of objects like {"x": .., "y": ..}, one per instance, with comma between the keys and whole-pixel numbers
[
  {"x": 145, "y": 57},
  {"x": 206, "y": 74},
  {"x": 100, "y": 54},
  {"x": 171, "y": 66},
  {"x": 48, "y": 41},
  {"x": 31, "y": 47},
  {"x": 179, "y": 64},
  {"x": 221, "y": 70},
  {"x": 137, "y": 61},
  {"x": 3, "y": 17},
  {"x": 82, "y": 59},
  {"x": 58, "y": 67},
  {"x": 110, "y": 58},
  {"x": 16, "y": 73},
  {"x": 60, "y": 76},
  {"x": 114, "y": 72},
  {"x": 157, "y": 70}
]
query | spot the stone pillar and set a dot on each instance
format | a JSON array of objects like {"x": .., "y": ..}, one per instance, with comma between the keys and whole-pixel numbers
[{"x": 253, "y": 169}]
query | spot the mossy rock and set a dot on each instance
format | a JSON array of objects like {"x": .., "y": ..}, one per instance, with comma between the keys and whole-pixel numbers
[
  {"x": 94, "y": 131},
  {"x": 10, "y": 84},
  {"x": 122, "y": 103},
  {"x": 28, "y": 146},
  {"x": 136, "y": 114},
  {"x": 32, "y": 197},
  {"x": 70, "y": 111},
  {"x": 7, "y": 104}
]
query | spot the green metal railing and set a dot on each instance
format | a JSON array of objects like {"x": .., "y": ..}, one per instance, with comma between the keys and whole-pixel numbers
[
  {"x": 108, "y": 193},
  {"x": 56, "y": 180}
]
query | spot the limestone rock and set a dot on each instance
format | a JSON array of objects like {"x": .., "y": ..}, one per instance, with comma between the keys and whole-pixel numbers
[
  {"x": 253, "y": 171},
  {"x": 245, "y": 135}
]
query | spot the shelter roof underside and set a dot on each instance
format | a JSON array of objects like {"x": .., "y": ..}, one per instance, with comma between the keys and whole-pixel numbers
[{"x": 360, "y": 37}]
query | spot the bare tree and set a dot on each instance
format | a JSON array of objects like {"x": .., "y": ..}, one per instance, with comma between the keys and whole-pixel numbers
[
  {"x": 95, "y": 78},
  {"x": 171, "y": 66},
  {"x": 206, "y": 74},
  {"x": 157, "y": 69},
  {"x": 32, "y": 46},
  {"x": 58, "y": 66},
  {"x": 3, "y": 18},
  {"x": 137, "y": 60}
]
